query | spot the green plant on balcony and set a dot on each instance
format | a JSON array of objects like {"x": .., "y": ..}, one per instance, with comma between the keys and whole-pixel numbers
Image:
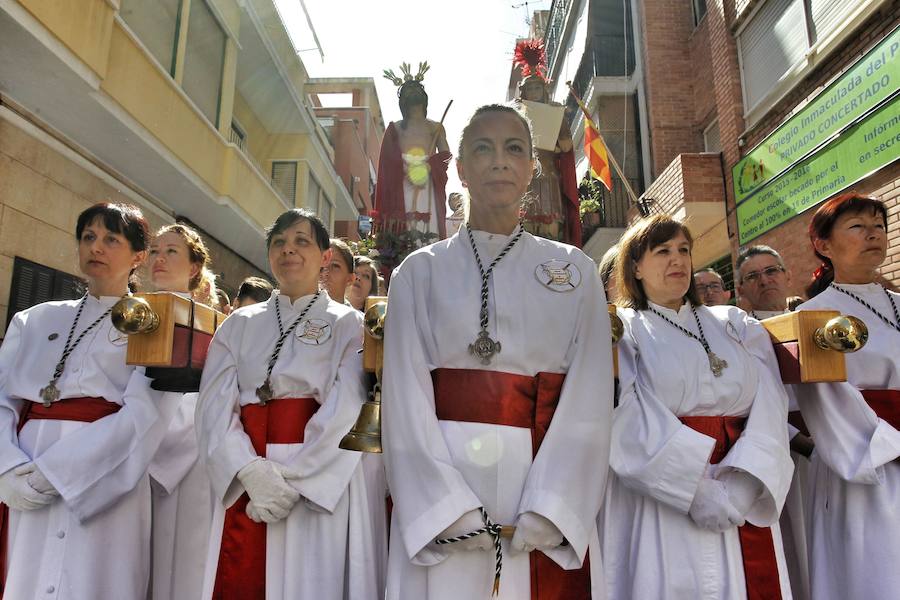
[{"x": 592, "y": 205}]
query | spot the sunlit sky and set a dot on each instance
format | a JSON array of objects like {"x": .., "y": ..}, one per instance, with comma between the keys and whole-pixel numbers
[{"x": 468, "y": 43}]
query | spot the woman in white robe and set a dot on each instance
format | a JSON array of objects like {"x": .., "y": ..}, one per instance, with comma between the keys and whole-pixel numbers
[
  {"x": 681, "y": 488},
  {"x": 78, "y": 491},
  {"x": 182, "y": 500},
  {"x": 301, "y": 499},
  {"x": 853, "y": 518},
  {"x": 445, "y": 458}
]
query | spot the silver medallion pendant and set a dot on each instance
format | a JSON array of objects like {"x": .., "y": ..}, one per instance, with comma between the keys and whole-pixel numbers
[
  {"x": 716, "y": 364},
  {"x": 484, "y": 347},
  {"x": 264, "y": 393},
  {"x": 49, "y": 393}
]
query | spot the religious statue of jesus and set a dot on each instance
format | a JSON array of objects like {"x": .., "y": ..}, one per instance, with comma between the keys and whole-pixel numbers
[{"x": 410, "y": 193}]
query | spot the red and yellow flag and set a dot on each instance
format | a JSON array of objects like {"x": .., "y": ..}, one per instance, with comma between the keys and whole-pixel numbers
[{"x": 595, "y": 150}]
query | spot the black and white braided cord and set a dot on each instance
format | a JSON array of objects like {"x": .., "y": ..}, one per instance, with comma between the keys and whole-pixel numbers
[
  {"x": 700, "y": 338},
  {"x": 493, "y": 530},
  {"x": 69, "y": 346},
  {"x": 284, "y": 334},
  {"x": 895, "y": 324},
  {"x": 485, "y": 274}
]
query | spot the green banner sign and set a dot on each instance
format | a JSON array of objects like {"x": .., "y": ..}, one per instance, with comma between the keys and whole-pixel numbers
[
  {"x": 863, "y": 86},
  {"x": 860, "y": 151}
]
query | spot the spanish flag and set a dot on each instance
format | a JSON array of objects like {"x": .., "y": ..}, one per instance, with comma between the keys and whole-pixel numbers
[{"x": 595, "y": 150}]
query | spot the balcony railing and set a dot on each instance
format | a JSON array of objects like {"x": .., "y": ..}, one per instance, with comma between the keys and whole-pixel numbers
[
  {"x": 614, "y": 204},
  {"x": 555, "y": 27},
  {"x": 604, "y": 56}
]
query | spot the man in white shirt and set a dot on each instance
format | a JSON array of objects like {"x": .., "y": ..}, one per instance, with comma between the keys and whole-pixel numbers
[{"x": 763, "y": 281}]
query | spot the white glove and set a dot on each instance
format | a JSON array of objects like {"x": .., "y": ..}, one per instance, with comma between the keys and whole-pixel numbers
[
  {"x": 469, "y": 522},
  {"x": 712, "y": 509},
  {"x": 40, "y": 483},
  {"x": 534, "y": 532},
  {"x": 743, "y": 490},
  {"x": 271, "y": 496},
  {"x": 16, "y": 492}
]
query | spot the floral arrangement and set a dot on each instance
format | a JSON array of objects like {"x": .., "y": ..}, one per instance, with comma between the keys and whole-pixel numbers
[{"x": 389, "y": 246}]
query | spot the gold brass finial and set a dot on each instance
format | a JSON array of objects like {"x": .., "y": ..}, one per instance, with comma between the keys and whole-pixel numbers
[
  {"x": 615, "y": 324},
  {"x": 132, "y": 315},
  {"x": 843, "y": 333}
]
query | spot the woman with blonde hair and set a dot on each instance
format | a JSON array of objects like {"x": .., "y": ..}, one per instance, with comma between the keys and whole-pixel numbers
[
  {"x": 699, "y": 445},
  {"x": 182, "y": 506}
]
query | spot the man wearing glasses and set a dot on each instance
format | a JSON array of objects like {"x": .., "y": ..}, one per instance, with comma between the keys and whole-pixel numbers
[
  {"x": 763, "y": 281},
  {"x": 711, "y": 288}
]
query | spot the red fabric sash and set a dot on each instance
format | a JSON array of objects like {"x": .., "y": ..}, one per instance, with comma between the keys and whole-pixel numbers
[
  {"x": 757, "y": 545},
  {"x": 241, "y": 574},
  {"x": 886, "y": 404},
  {"x": 477, "y": 396},
  {"x": 85, "y": 410}
]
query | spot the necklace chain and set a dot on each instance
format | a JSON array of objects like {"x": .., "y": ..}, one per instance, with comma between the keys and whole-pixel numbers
[
  {"x": 264, "y": 392},
  {"x": 484, "y": 347},
  {"x": 50, "y": 393},
  {"x": 716, "y": 364},
  {"x": 895, "y": 324},
  {"x": 486, "y": 274}
]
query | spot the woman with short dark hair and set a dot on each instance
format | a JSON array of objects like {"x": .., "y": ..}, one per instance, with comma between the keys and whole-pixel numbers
[
  {"x": 79, "y": 428},
  {"x": 854, "y": 476},
  {"x": 699, "y": 444},
  {"x": 283, "y": 383}
]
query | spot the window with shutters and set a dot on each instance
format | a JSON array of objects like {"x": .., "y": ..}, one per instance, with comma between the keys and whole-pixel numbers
[
  {"x": 204, "y": 60},
  {"x": 325, "y": 210},
  {"x": 712, "y": 140},
  {"x": 284, "y": 180},
  {"x": 33, "y": 283},
  {"x": 156, "y": 25},
  {"x": 699, "y": 10},
  {"x": 777, "y": 40}
]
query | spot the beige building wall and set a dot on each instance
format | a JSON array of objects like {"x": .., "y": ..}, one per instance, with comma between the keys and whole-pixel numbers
[{"x": 44, "y": 184}]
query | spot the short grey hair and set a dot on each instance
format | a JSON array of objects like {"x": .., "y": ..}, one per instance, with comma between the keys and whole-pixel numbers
[{"x": 752, "y": 251}]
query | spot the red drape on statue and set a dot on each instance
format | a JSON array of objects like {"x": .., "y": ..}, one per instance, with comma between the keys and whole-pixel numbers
[
  {"x": 477, "y": 396},
  {"x": 757, "y": 545},
  {"x": 565, "y": 163},
  {"x": 389, "y": 202},
  {"x": 241, "y": 574},
  {"x": 85, "y": 410}
]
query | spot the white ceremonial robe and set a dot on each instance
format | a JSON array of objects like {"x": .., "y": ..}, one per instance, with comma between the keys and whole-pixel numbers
[
  {"x": 182, "y": 510},
  {"x": 439, "y": 470},
  {"x": 854, "y": 505},
  {"x": 325, "y": 549},
  {"x": 94, "y": 541},
  {"x": 793, "y": 516},
  {"x": 652, "y": 547}
]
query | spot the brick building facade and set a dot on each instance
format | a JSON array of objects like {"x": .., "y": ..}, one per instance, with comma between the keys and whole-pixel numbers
[{"x": 704, "y": 94}]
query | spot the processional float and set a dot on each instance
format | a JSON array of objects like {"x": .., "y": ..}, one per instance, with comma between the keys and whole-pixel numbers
[{"x": 168, "y": 334}]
